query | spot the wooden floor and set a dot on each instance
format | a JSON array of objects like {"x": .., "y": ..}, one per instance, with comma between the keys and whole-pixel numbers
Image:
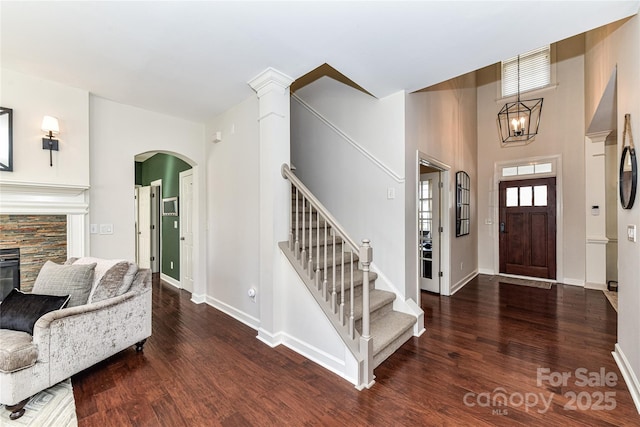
[{"x": 487, "y": 342}]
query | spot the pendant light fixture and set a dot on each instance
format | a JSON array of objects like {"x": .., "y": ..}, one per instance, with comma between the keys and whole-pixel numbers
[{"x": 519, "y": 121}]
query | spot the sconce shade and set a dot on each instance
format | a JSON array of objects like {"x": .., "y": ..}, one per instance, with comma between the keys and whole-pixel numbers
[
  {"x": 519, "y": 121},
  {"x": 50, "y": 124}
]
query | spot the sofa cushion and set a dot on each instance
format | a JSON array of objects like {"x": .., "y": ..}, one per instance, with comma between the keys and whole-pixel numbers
[
  {"x": 73, "y": 280},
  {"x": 112, "y": 277},
  {"x": 20, "y": 311},
  {"x": 17, "y": 350}
]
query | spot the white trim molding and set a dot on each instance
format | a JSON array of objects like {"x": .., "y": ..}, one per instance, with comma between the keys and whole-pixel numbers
[
  {"x": 242, "y": 317},
  {"x": 629, "y": 376}
]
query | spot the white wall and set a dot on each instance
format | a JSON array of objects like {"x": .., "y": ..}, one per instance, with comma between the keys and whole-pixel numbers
[
  {"x": 351, "y": 185},
  {"x": 562, "y": 130},
  {"x": 118, "y": 133},
  {"x": 441, "y": 123},
  {"x": 233, "y": 219},
  {"x": 618, "y": 45},
  {"x": 32, "y": 98}
]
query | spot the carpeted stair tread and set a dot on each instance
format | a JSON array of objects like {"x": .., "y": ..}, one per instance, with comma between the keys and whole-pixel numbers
[
  {"x": 388, "y": 328},
  {"x": 357, "y": 278},
  {"x": 377, "y": 300}
]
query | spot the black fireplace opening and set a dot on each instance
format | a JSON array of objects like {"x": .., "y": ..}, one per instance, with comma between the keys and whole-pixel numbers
[{"x": 9, "y": 271}]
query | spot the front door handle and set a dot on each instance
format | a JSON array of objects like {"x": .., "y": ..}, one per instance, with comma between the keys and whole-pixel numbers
[{"x": 502, "y": 227}]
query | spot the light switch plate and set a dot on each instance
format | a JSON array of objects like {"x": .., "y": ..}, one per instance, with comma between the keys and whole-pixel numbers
[{"x": 631, "y": 233}]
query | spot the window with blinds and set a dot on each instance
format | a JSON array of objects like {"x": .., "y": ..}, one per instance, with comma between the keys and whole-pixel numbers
[{"x": 535, "y": 71}]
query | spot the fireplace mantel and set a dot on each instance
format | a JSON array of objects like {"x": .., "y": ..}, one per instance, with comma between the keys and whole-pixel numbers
[
  {"x": 35, "y": 198},
  {"x": 28, "y": 198}
]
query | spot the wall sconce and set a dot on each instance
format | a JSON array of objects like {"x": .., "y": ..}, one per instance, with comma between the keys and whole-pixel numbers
[{"x": 50, "y": 124}]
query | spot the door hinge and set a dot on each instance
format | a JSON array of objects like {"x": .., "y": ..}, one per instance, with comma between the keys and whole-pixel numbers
[
  {"x": 440, "y": 274},
  {"x": 441, "y": 229},
  {"x": 153, "y": 258},
  {"x": 441, "y": 184}
]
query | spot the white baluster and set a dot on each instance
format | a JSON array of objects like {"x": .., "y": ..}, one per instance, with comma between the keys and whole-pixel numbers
[
  {"x": 342, "y": 319},
  {"x": 333, "y": 269},
  {"x": 296, "y": 246},
  {"x": 303, "y": 254},
  {"x": 351, "y": 314},
  {"x": 310, "y": 267}
]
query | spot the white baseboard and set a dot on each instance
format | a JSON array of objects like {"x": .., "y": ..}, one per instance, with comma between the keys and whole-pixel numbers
[
  {"x": 572, "y": 282},
  {"x": 170, "y": 280},
  {"x": 198, "y": 298},
  {"x": 455, "y": 288},
  {"x": 318, "y": 356},
  {"x": 488, "y": 271},
  {"x": 245, "y": 318},
  {"x": 629, "y": 376},
  {"x": 596, "y": 286}
]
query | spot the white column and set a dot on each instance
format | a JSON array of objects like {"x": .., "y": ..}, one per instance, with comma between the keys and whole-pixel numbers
[
  {"x": 272, "y": 88},
  {"x": 595, "y": 211}
]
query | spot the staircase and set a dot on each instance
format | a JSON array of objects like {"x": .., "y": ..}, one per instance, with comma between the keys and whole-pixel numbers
[{"x": 337, "y": 273}]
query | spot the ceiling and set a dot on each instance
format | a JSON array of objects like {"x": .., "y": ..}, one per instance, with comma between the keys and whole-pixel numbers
[{"x": 194, "y": 59}]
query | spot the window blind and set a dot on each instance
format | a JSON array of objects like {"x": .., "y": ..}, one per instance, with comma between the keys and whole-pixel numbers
[{"x": 535, "y": 71}]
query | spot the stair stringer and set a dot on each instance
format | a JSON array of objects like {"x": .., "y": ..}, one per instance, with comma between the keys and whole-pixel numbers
[{"x": 308, "y": 330}]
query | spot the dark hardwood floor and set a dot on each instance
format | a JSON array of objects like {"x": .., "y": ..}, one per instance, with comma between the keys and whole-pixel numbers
[{"x": 202, "y": 368}]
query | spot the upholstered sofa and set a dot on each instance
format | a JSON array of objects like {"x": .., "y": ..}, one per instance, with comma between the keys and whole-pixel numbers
[{"x": 68, "y": 340}]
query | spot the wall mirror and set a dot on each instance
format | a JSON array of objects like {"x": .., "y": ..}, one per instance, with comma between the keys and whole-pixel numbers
[
  {"x": 463, "y": 198},
  {"x": 6, "y": 139},
  {"x": 628, "y": 167},
  {"x": 628, "y": 177}
]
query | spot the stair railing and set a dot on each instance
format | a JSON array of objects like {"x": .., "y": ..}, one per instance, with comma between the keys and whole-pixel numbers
[{"x": 301, "y": 231}]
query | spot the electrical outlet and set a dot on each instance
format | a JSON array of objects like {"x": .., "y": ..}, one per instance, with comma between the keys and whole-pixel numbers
[
  {"x": 631, "y": 233},
  {"x": 171, "y": 265},
  {"x": 106, "y": 228}
]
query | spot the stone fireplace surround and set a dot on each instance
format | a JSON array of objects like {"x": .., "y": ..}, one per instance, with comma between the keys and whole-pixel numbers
[{"x": 25, "y": 198}]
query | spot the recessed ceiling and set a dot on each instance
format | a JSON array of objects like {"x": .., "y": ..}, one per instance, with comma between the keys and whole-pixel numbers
[{"x": 193, "y": 59}]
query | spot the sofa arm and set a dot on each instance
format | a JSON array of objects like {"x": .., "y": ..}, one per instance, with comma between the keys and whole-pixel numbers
[{"x": 76, "y": 338}]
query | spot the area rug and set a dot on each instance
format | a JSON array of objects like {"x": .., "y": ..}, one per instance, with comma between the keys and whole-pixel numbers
[
  {"x": 522, "y": 282},
  {"x": 52, "y": 407},
  {"x": 613, "y": 299}
]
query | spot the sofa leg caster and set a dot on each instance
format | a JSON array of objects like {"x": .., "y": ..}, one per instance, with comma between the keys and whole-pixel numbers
[
  {"x": 140, "y": 345},
  {"x": 17, "y": 410}
]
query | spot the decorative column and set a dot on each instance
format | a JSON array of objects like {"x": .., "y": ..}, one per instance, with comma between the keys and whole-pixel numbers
[
  {"x": 595, "y": 210},
  {"x": 272, "y": 88}
]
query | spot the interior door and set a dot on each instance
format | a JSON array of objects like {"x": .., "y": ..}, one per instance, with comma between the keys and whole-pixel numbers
[
  {"x": 144, "y": 227},
  {"x": 528, "y": 227},
  {"x": 186, "y": 230},
  {"x": 429, "y": 231}
]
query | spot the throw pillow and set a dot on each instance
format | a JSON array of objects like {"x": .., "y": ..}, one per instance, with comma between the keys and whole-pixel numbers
[
  {"x": 112, "y": 277},
  {"x": 20, "y": 311},
  {"x": 73, "y": 280}
]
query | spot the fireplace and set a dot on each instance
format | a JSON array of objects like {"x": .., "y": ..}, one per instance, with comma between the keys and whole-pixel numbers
[{"x": 9, "y": 271}]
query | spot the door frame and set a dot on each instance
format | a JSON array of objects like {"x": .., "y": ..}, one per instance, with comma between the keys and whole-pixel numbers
[
  {"x": 436, "y": 216},
  {"x": 445, "y": 221},
  {"x": 181, "y": 175},
  {"x": 158, "y": 220},
  {"x": 556, "y": 172}
]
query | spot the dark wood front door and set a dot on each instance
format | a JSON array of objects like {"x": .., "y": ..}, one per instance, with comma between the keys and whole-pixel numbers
[{"x": 528, "y": 227}]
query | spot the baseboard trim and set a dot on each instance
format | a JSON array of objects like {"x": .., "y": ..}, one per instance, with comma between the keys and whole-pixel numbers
[
  {"x": 596, "y": 286},
  {"x": 455, "y": 288},
  {"x": 170, "y": 280},
  {"x": 572, "y": 282},
  {"x": 198, "y": 298},
  {"x": 318, "y": 356},
  {"x": 488, "y": 271},
  {"x": 240, "y": 316},
  {"x": 629, "y": 376}
]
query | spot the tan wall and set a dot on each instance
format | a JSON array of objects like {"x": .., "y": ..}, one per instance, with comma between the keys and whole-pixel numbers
[
  {"x": 618, "y": 45},
  {"x": 442, "y": 123},
  {"x": 561, "y": 134}
]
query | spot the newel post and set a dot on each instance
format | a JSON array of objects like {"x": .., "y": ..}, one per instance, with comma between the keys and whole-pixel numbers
[{"x": 366, "y": 343}]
